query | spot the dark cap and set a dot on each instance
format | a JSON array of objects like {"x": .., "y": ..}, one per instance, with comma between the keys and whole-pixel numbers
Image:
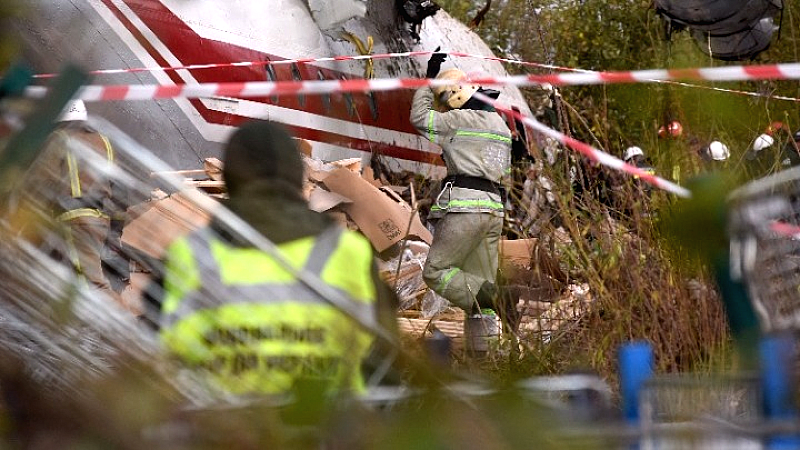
[
  {"x": 796, "y": 135},
  {"x": 261, "y": 150}
]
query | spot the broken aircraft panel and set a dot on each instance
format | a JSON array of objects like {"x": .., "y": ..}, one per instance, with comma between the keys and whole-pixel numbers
[{"x": 724, "y": 29}]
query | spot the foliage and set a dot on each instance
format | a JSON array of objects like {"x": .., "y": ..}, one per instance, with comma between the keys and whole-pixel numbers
[
  {"x": 9, "y": 10},
  {"x": 648, "y": 285}
]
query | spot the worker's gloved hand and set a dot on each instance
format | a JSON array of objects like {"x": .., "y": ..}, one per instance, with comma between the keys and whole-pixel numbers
[{"x": 435, "y": 63}]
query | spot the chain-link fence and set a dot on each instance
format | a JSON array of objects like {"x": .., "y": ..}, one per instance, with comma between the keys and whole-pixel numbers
[{"x": 765, "y": 247}]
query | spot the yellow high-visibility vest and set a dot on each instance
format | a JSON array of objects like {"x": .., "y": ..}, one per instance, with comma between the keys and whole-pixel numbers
[{"x": 253, "y": 327}]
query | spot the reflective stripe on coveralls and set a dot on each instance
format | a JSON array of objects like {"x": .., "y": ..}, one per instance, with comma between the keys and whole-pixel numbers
[
  {"x": 485, "y": 135},
  {"x": 480, "y": 203},
  {"x": 466, "y": 204},
  {"x": 259, "y": 331},
  {"x": 480, "y": 134}
]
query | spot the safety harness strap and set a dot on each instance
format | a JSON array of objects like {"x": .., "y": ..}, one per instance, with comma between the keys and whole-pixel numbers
[
  {"x": 72, "y": 165},
  {"x": 471, "y": 182}
]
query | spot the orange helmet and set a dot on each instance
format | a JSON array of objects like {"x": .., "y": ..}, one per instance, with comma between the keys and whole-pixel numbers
[
  {"x": 673, "y": 129},
  {"x": 773, "y": 127}
]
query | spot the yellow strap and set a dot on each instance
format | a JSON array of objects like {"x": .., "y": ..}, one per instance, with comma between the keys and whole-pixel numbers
[
  {"x": 74, "y": 177},
  {"x": 362, "y": 50},
  {"x": 109, "y": 148},
  {"x": 73, "y": 252},
  {"x": 72, "y": 165},
  {"x": 81, "y": 212}
]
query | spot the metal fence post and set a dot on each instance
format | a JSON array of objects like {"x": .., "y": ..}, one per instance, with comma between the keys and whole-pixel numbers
[{"x": 778, "y": 356}]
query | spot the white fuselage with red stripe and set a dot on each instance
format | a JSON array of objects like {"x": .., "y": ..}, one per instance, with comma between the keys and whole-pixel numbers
[{"x": 164, "y": 33}]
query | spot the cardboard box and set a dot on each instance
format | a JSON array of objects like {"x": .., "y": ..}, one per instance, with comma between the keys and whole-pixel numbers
[
  {"x": 517, "y": 253},
  {"x": 383, "y": 217},
  {"x": 351, "y": 164},
  {"x": 213, "y": 168},
  {"x": 524, "y": 261},
  {"x": 166, "y": 220},
  {"x": 304, "y": 146},
  {"x": 321, "y": 200}
]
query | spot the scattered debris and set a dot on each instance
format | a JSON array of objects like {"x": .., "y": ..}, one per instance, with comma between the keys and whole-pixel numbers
[
  {"x": 547, "y": 317},
  {"x": 332, "y": 14},
  {"x": 415, "y": 11},
  {"x": 476, "y": 21},
  {"x": 348, "y": 191}
]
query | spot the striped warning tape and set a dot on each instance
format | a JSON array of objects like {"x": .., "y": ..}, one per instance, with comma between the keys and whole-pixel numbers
[
  {"x": 312, "y": 60},
  {"x": 789, "y": 71},
  {"x": 785, "y": 229},
  {"x": 590, "y": 152},
  {"x": 690, "y": 85},
  {"x": 403, "y": 55}
]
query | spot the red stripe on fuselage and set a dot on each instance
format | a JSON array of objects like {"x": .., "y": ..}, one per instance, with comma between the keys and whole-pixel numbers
[
  {"x": 190, "y": 48},
  {"x": 315, "y": 134}
]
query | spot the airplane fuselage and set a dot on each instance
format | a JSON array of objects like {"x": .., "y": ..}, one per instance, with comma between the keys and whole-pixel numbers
[{"x": 112, "y": 34}]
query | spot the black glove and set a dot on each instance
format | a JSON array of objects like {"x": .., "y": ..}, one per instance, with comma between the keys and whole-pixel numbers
[{"x": 435, "y": 63}]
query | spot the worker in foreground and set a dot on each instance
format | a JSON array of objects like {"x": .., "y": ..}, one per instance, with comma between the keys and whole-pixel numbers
[
  {"x": 235, "y": 313},
  {"x": 88, "y": 205},
  {"x": 468, "y": 211}
]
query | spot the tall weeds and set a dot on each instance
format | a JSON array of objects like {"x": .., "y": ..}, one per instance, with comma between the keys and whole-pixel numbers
[{"x": 610, "y": 240}]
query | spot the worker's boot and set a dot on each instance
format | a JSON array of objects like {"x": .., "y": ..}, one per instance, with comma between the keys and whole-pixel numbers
[
  {"x": 481, "y": 330},
  {"x": 486, "y": 295},
  {"x": 503, "y": 302},
  {"x": 481, "y": 333}
]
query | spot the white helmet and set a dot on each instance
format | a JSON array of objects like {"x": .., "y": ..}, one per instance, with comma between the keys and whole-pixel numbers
[
  {"x": 762, "y": 142},
  {"x": 630, "y": 152},
  {"x": 718, "y": 151},
  {"x": 75, "y": 110},
  {"x": 454, "y": 95}
]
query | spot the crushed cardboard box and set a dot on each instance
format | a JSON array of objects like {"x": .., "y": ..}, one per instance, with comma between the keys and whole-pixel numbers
[
  {"x": 321, "y": 200},
  {"x": 516, "y": 253},
  {"x": 331, "y": 187},
  {"x": 165, "y": 220},
  {"x": 385, "y": 219},
  {"x": 213, "y": 168}
]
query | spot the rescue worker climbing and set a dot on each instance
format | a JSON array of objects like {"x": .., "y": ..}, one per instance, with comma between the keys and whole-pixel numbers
[
  {"x": 89, "y": 205},
  {"x": 233, "y": 312},
  {"x": 468, "y": 211}
]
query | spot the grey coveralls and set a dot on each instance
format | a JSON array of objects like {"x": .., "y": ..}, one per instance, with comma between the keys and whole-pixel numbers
[{"x": 464, "y": 253}]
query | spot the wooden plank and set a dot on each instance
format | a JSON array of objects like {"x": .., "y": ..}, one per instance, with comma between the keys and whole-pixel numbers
[{"x": 418, "y": 327}]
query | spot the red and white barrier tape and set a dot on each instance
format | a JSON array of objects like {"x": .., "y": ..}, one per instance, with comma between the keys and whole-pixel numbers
[
  {"x": 312, "y": 60},
  {"x": 401, "y": 55},
  {"x": 590, "y": 152},
  {"x": 785, "y": 229},
  {"x": 698, "y": 86},
  {"x": 268, "y": 88}
]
